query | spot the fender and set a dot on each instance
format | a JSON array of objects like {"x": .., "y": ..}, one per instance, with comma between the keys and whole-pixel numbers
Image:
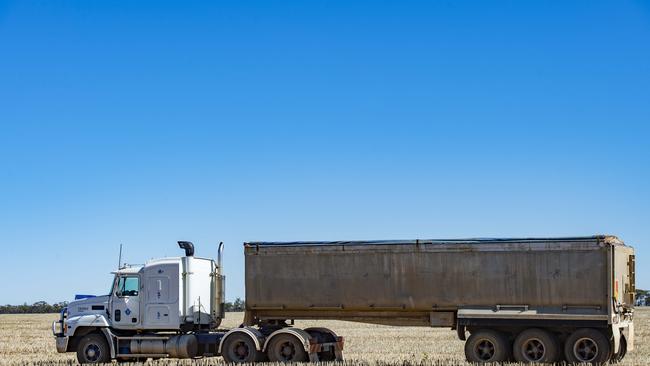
[
  {"x": 110, "y": 339},
  {"x": 303, "y": 336},
  {"x": 85, "y": 321},
  {"x": 251, "y": 332},
  {"x": 322, "y": 330}
]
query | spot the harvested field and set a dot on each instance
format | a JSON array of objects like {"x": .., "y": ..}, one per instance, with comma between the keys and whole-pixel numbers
[{"x": 27, "y": 339}]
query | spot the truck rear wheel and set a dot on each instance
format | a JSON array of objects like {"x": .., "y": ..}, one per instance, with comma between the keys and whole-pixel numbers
[
  {"x": 286, "y": 348},
  {"x": 93, "y": 348},
  {"x": 587, "y": 345},
  {"x": 487, "y": 345},
  {"x": 240, "y": 348},
  {"x": 536, "y": 346}
]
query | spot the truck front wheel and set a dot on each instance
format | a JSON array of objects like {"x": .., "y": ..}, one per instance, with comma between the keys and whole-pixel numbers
[
  {"x": 93, "y": 348},
  {"x": 486, "y": 345}
]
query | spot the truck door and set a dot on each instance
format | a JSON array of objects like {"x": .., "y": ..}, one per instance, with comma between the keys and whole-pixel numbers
[{"x": 125, "y": 309}]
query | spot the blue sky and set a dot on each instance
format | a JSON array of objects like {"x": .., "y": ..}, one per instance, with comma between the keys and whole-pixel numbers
[{"x": 145, "y": 123}]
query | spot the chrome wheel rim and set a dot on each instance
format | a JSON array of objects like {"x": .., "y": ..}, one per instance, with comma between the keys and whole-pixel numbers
[{"x": 92, "y": 352}]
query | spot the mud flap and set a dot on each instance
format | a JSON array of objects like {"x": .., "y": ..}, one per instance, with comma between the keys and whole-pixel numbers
[
  {"x": 315, "y": 348},
  {"x": 628, "y": 333},
  {"x": 616, "y": 333}
]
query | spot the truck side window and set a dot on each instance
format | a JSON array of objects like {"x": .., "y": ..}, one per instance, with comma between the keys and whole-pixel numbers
[{"x": 128, "y": 286}]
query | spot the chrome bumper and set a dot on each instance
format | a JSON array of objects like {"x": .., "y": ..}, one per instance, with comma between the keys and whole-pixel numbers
[{"x": 57, "y": 328}]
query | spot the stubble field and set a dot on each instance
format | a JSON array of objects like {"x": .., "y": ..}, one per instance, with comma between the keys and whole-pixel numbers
[{"x": 27, "y": 339}]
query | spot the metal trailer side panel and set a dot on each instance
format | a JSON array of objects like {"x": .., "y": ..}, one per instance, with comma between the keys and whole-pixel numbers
[{"x": 408, "y": 280}]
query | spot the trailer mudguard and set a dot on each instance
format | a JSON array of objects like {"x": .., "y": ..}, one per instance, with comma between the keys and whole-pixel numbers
[{"x": 322, "y": 330}]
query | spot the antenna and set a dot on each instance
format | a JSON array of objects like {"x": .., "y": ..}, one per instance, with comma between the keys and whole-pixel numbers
[{"x": 119, "y": 259}]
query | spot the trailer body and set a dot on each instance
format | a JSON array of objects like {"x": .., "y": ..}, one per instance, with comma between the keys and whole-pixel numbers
[
  {"x": 561, "y": 284},
  {"x": 560, "y": 278}
]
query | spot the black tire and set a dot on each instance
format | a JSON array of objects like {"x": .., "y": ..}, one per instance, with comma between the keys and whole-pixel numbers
[
  {"x": 536, "y": 346},
  {"x": 587, "y": 345},
  {"x": 622, "y": 350},
  {"x": 561, "y": 357},
  {"x": 487, "y": 345},
  {"x": 240, "y": 348},
  {"x": 93, "y": 348},
  {"x": 286, "y": 348}
]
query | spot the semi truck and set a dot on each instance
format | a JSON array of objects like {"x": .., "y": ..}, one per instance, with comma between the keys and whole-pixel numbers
[{"x": 534, "y": 300}]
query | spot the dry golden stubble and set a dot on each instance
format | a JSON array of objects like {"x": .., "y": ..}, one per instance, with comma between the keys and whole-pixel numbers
[{"x": 27, "y": 340}]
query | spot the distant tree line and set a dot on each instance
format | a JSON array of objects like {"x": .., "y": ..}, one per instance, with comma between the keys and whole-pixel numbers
[
  {"x": 35, "y": 308},
  {"x": 43, "y": 307},
  {"x": 237, "y": 305}
]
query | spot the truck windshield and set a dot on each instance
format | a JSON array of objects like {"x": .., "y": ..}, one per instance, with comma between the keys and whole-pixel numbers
[
  {"x": 128, "y": 286},
  {"x": 110, "y": 290}
]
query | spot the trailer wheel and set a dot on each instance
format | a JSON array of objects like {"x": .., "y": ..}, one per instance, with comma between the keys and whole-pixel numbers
[
  {"x": 93, "y": 348},
  {"x": 536, "y": 346},
  {"x": 487, "y": 345},
  {"x": 286, "y": 348},
  {"x": 587, "y": 345},
  {"x": 240, "y": 348}
]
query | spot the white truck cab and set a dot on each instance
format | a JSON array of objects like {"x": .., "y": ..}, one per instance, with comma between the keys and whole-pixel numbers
[{"x": 181, "y": 294}]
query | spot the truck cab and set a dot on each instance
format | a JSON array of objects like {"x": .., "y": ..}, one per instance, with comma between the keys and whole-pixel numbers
[{"x": 179, "y": 294}]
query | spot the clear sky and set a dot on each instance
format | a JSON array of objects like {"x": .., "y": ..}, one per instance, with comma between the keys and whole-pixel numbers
[{"x": 144, "y": 123}]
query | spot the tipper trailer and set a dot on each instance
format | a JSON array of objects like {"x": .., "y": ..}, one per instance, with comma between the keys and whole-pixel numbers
[{"x": 534, "y": 300}]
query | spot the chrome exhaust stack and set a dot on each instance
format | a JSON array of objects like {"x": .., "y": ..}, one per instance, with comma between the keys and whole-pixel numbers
[
  {"x": 218, "y": 308},
  {"x": 219, "y": 254}
]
